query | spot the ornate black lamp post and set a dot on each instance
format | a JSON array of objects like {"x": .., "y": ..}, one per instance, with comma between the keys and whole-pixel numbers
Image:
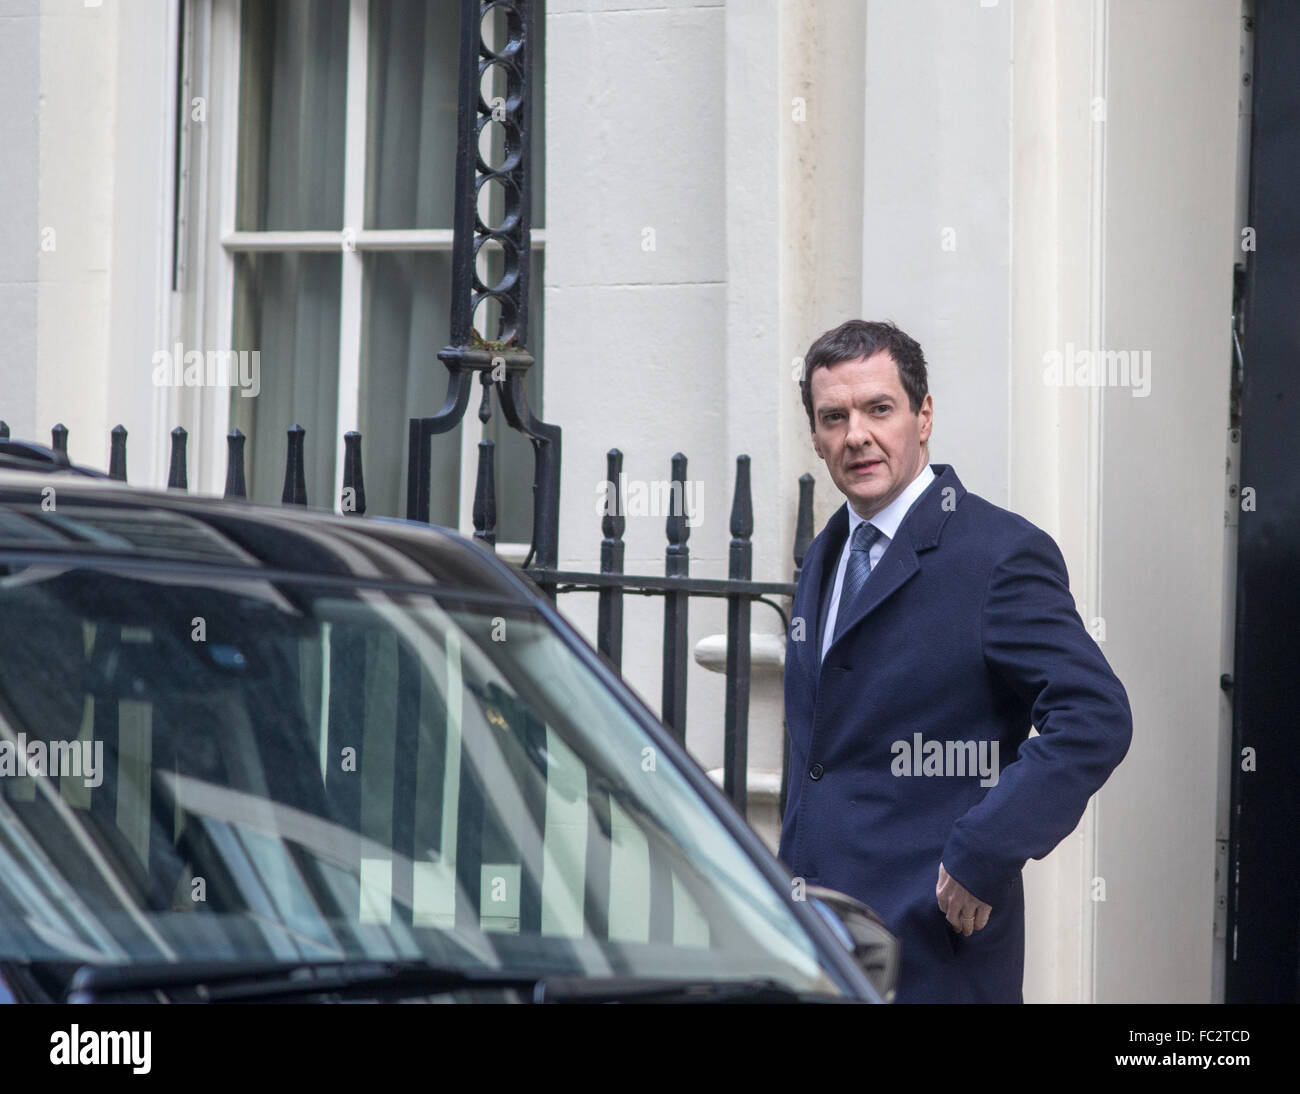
[{"x": 501, "y": 357}]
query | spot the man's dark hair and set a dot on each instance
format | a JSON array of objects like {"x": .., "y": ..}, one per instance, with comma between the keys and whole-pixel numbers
[{"x": 858, "y": 338}]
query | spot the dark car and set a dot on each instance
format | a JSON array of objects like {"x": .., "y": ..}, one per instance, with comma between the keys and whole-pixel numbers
[{"x": 251, "y": 752}]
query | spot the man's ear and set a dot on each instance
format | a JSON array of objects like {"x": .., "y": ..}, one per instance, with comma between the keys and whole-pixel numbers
[
  {"x": 926, "y": 414},
  {"x": 817, "y": 446}
]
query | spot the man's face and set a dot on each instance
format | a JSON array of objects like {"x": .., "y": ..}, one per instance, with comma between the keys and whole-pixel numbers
[{"x": 866, "y": 432}]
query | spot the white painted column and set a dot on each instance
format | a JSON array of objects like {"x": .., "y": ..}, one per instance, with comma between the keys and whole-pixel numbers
[{"x": 636, "y": 300}]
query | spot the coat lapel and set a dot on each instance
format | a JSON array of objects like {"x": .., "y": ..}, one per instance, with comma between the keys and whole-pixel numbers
[{"x": 918, "y": 533}]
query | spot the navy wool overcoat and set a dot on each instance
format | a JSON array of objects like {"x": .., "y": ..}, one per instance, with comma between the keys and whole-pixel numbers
[{"x": 964, "y": 634}]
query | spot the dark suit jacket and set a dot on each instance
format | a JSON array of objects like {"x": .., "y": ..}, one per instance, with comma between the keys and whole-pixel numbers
[{"x": 965, "y": 631}]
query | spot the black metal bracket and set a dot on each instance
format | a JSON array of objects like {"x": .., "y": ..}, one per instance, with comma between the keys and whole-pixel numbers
[{"x": 504, "y": 359}]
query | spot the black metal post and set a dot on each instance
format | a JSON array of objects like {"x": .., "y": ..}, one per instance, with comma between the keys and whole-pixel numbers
[
  {"x": 485, "y": 498},
  {"x": 236, "y": 486},
  {"x": 295, "y": 473},
  {"x": 803, "y": 537},
  {"x": 354, "y": 485},
  {"x": 178, "y": 476},
  {"x": 803, "y": 526},
  {"x": 735, "y": 747},
  {"x": 677, "y": 563},
  {"x": 117, "y": 453},
  {"x": 609, "y": 610}
]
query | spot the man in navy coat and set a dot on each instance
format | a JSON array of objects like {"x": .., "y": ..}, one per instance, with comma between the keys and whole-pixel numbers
[{"x": 930, "y": 630}]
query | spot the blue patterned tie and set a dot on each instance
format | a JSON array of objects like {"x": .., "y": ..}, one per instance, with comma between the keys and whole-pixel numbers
[{"x": 855, "y": 573}]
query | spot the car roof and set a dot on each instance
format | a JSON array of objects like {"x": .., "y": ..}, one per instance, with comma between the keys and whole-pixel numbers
[
  {"x": 26, "y": 456},
  {"x": 62, "y": 511}
]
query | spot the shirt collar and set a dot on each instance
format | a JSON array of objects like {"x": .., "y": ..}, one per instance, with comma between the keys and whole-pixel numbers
[{"x": 891, "y": 516}]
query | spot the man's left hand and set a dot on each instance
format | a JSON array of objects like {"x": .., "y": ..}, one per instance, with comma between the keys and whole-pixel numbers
[{"x": 965, "y": 911}]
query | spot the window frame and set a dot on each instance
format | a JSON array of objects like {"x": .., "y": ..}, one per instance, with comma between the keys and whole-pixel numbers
[{"x": 208, "y": 242}]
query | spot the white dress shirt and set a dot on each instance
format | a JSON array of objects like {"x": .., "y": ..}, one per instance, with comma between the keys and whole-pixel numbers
[{"x": 886, "y": 522}]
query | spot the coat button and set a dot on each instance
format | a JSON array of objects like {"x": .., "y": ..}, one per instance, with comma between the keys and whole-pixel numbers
[{"x": 815, "y": 772}]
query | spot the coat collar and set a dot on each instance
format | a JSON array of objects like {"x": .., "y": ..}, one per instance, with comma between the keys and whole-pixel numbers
[{"x": 920, "y": 531}]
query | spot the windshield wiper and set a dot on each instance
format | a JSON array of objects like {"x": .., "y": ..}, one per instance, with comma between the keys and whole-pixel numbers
[
  {"x": 251, "y": 981},
  {"x": 248, "y": 981},
  {"x": 578, "y": 989}
]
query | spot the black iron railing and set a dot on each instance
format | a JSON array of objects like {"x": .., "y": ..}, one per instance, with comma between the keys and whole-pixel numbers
[
  {"x": 676, "y": 587},
  {"x": 352, "y": 501},
  {"x": 611, "y": 584}
]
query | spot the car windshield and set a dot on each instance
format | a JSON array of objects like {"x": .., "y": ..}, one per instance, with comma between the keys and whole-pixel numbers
[{"x": 199, "y": 768}]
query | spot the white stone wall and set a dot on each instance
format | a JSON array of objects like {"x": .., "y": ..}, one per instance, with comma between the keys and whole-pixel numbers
[
  {"x": 637, "y": 158},
  {"x": 85, "y": 222},
  {"x": 1169, "y": 244},
  {"x": 20, "y": 91}
]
